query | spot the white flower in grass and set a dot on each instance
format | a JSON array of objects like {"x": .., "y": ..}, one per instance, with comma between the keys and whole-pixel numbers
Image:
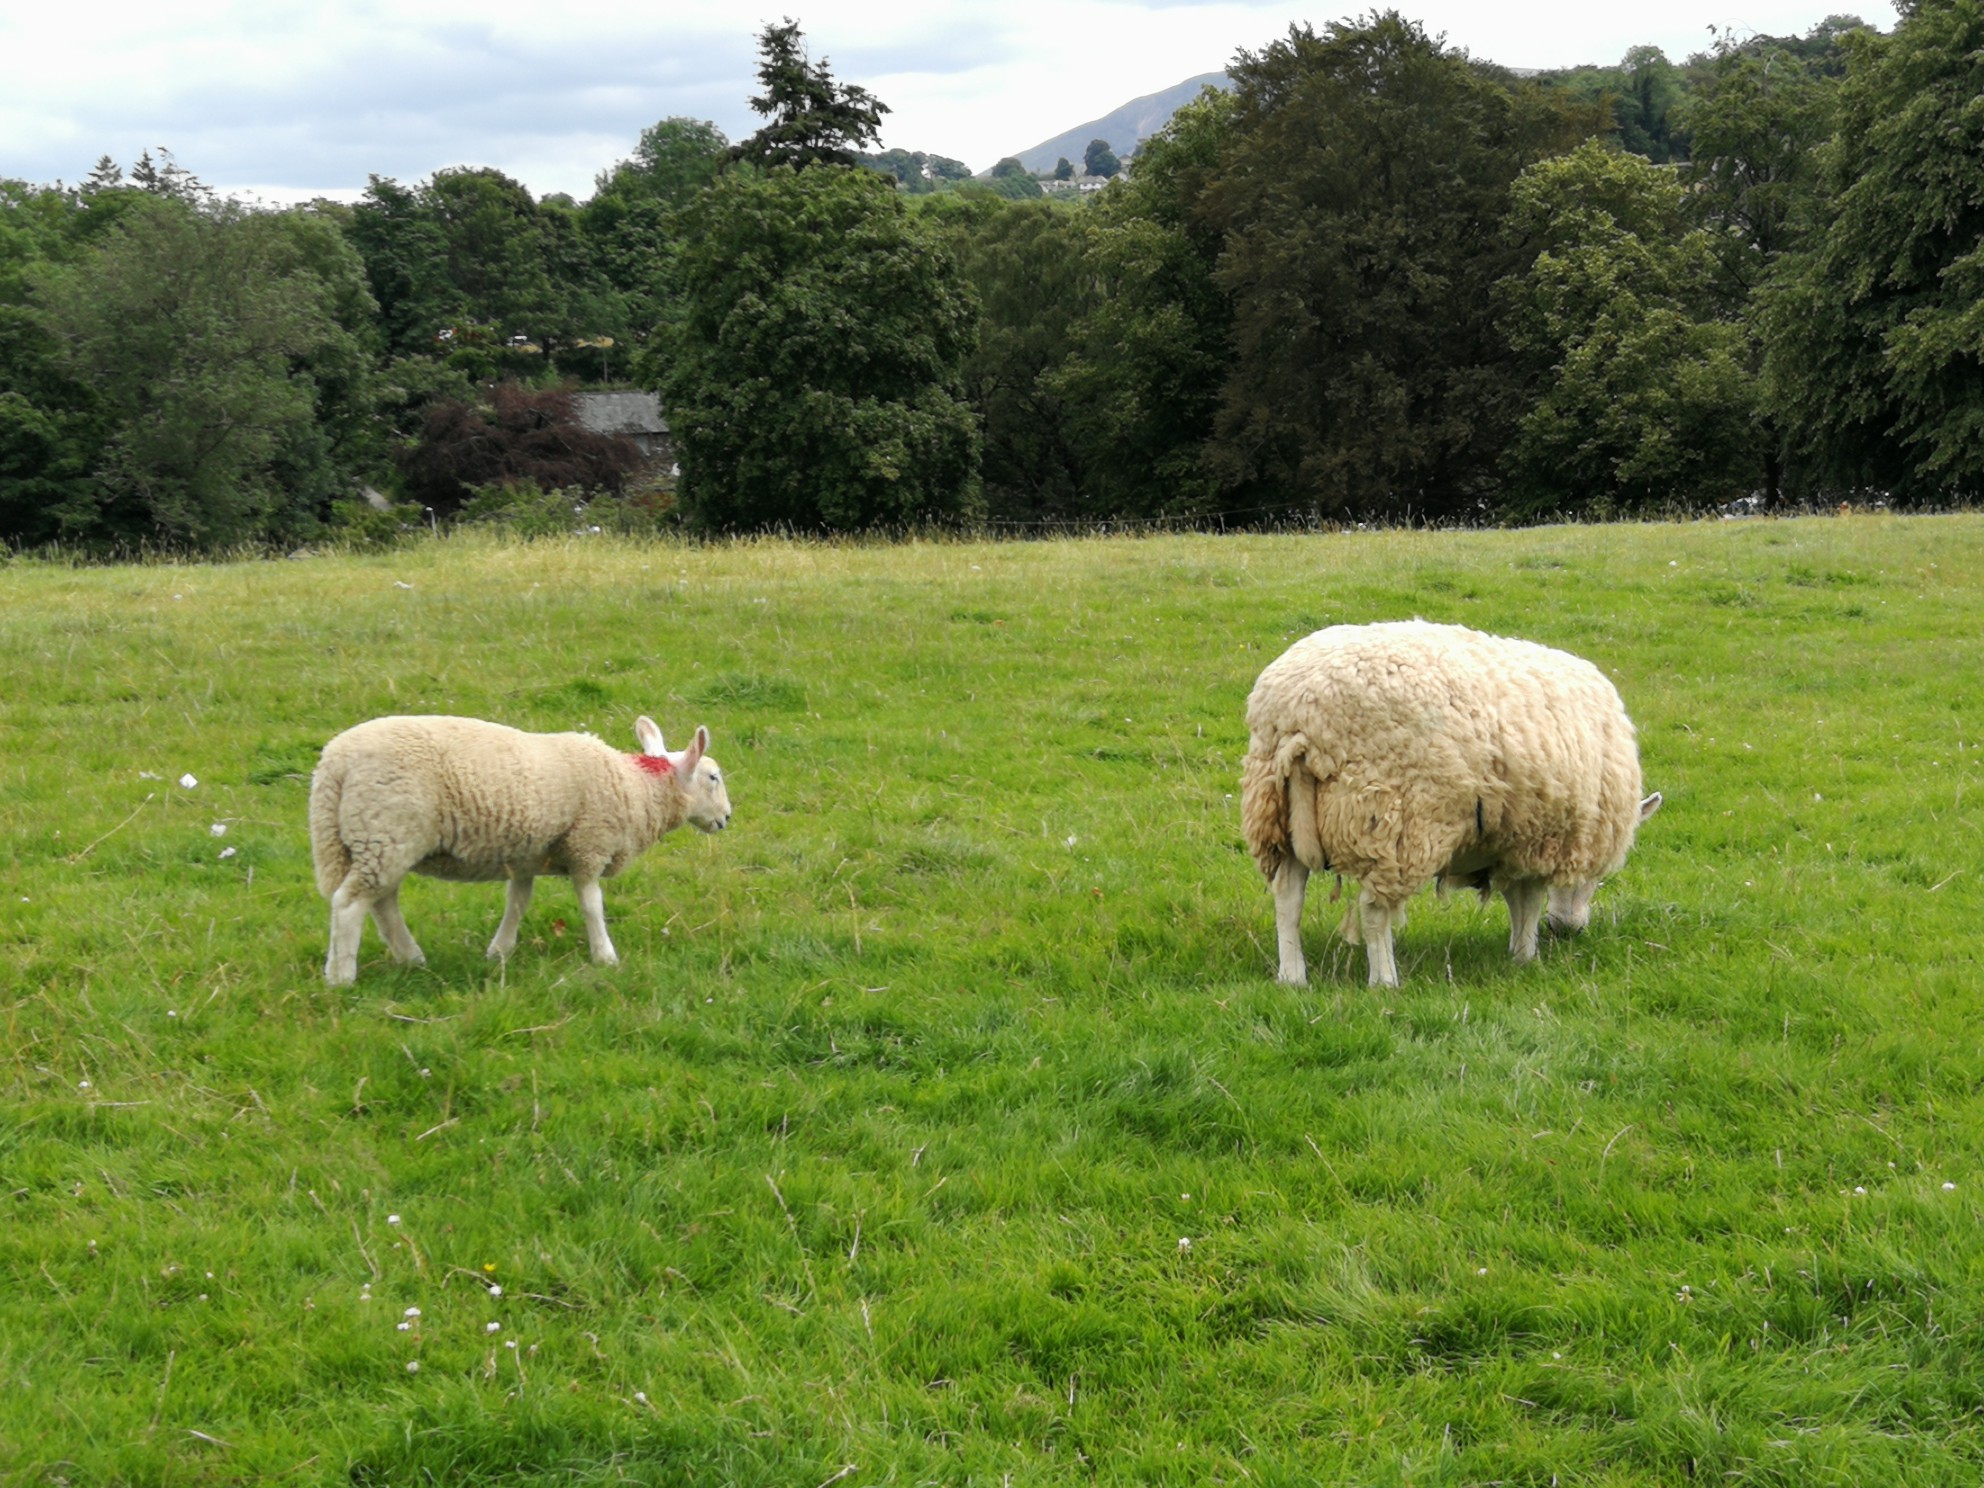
[
  {"x": 492, "y": 1327},
  {"x": 1184, "y": 1242},
  {"x": 404, "y": 1327},
  {"x": 413, "y": 1366},
  {"x": 413, "y": 1312},
  {"x": 188, "y": 782},
  {"x": 392, "y": 1219},
  {"x": 227, "y": 852},
  {"x": 218, "y": 829},
  {"x": 495, "y": 1291},
  {"x": 1949, "y": 1188}
]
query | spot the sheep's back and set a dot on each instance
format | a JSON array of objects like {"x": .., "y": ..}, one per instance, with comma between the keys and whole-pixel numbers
[
  {"x": 462, "y": 797},
  {"x": 1430, "y": 741}
]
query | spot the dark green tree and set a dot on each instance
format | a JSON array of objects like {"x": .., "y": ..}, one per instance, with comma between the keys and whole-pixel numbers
[
  {"x": 106, "y": 176},
  {"x": 1646, "y": 96},
  {"x": 1099, "y": 160},
  {"x": 812, "y": 356},
  {"x": 918, "y": 174},
  {"x": 674, "y": 159},
  {"x": 814, "y": 120},
  {"x": 1064, "y": 170},
  {"x": 1874, "y": 343},
  {"x": 1642, "y": 399},
  {"x": 1151, "y": 351},
  {"x": 496, "y": 254},
  {"x": 162, "y": 177},
  {"x": 49, "y": 431},
  {"x": 626, "y": 231},
  {"x": 1027, "y": 268},
  {"x": 1758, "y": 116},
  {"x": 404, "y": 250},
  {"x": 1362, "y": 211},
  {"x": 467, "y": 262},
  {"x": 199, "y": 334}
]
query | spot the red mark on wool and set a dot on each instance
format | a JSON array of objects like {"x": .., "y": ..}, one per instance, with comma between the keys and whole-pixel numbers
[{"x": 654, "y": 764}]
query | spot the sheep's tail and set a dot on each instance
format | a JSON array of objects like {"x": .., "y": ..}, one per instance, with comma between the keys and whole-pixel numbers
[
  {"x": 1264, "y": 800},
  {"x": 327, "y": 849}
]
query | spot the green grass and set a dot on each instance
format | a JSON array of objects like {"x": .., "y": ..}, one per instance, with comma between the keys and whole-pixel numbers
[{"x": 874, "y": 1161}]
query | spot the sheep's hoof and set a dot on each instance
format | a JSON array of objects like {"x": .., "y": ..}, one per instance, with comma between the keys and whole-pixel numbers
[{"x": 1293, "y": 977}]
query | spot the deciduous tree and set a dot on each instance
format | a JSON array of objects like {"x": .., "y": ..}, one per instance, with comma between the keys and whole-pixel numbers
[
  {"x": 1874, "y": 333},
  {"x": 1361, "y": 209},
  {"x": 200, "y": 333},
  {"x": 1641, "y": 397},
  {"x": 811, "y": 360}
]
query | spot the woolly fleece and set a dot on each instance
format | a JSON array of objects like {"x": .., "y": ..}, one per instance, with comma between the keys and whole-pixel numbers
[
  {"x": 1435, "y": 751},
  {"x": 459, "y": 798}
]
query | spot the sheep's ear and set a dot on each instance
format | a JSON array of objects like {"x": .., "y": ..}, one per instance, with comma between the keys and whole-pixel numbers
[
  {"x": 1650, "y": 805},
  {"x": 692, "y": 756},
  {"x": 649, "y": 733}
]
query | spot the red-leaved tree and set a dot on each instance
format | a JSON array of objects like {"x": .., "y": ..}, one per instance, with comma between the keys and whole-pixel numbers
[{"x": 520, "y": 436}]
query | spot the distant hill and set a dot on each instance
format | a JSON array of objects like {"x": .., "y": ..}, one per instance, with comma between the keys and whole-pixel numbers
[{"x": 1125, "y": 128}]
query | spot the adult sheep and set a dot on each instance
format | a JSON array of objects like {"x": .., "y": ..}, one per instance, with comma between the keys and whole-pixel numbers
[
  {"x": 1403, "y": 753},
  {"x": 462, "y": 799}
]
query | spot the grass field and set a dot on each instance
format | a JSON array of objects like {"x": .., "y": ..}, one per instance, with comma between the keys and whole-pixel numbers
[{"x": 943, "y": 1123}]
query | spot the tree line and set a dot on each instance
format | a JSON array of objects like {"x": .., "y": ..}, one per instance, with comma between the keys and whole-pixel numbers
[{"x": 1376, "y": 280}]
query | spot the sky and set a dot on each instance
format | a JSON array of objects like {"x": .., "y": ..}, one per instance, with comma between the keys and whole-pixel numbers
[{"x": 284, "y": 100}]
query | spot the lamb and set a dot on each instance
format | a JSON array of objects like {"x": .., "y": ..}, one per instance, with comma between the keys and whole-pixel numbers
[
  {"x": 462, "y": 799},
  {"x": 1403, "y": 753}
]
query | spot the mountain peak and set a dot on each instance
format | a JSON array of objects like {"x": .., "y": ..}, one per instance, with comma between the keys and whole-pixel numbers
[{"x": 1124, "y": 128}]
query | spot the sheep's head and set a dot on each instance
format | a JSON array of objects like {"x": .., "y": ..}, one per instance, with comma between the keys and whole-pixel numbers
[
  {"x": 701, "y": 777},
  {"x": 1570, "y": 904}
]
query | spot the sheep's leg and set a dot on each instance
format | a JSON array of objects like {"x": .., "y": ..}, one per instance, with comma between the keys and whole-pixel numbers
[
  {"x": 516, "y": 900},
  {"x": 392, "y": 929},
  {"x": 348, "y": 906},
  {"x": 1377, "y": 926},
  {"x": 1526, "y": 897},
  {"x": 593, "y": 903},
  {"x": 1291, "y": 880}
]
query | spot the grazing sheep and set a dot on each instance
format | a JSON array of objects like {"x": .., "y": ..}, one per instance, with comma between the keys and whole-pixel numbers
[
  {"x": 1404, "y": 753},
  {"x": 462, "y": 799}
]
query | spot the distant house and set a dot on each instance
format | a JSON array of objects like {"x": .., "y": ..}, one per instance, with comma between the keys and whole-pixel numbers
[{"x": 635, "y": 416}]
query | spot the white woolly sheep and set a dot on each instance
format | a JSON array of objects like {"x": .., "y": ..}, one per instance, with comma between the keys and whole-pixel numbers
[
  {"x": 462, "y": 799},
  {"x": 1404, "y": 753}
]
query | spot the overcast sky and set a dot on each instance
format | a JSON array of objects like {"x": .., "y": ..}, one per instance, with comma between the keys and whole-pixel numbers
[{"x": 288, "y": 100}]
